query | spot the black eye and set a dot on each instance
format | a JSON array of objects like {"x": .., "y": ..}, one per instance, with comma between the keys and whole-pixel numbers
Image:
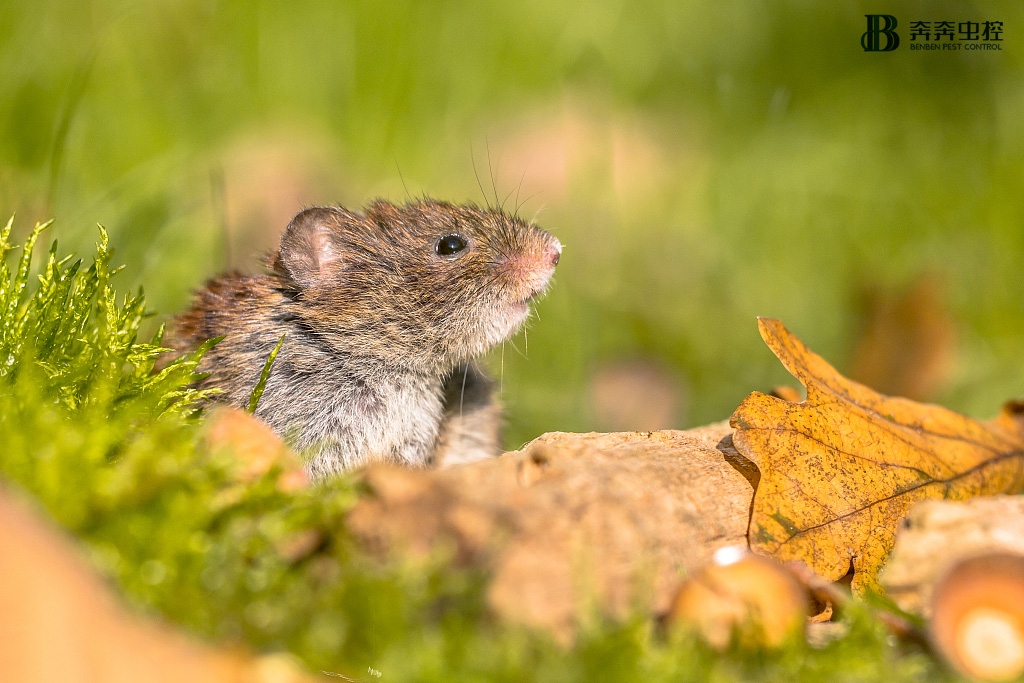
[{"x": 450, "y": 244}]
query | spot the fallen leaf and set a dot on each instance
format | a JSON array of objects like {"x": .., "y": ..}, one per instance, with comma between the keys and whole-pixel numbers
[
  {"x": 787, "y": 393},
  {"x": 908, "y": 344},
  {"x": 636, "y": 394},
  {"x": 60, "y": 622},
  {"x": 256, "y": 446},
  {"x": 572, "y": 520},
  {"x": 840, "y": 470}
]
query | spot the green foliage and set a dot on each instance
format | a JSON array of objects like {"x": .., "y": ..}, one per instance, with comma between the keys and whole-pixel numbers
[
  {"x": 112, "y": 450},
  {"x": 261, "y": 384},
  {"x": 71, "y": 328}
]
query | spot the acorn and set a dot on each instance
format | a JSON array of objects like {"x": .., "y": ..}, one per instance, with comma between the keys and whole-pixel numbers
[
  {"x": 978, "y": 617},
  {"x": 740, "y": 595}
]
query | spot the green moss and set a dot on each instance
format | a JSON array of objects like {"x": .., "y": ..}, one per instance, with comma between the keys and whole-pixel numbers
[{"x": 111, "y": 449}]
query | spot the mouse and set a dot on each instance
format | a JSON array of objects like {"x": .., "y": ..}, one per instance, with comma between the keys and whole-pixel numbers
[{"x": 384, "y": 313}]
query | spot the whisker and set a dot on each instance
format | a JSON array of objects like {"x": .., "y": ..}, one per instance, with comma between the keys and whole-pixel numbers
[
  {"x": 513, "y": 345},
  {"x": 506, "y": 199},
  {"x": 494, "y": 188},
  {"x": 519, "y": 187},
  {"x": 537, "y": 213},
  {"x": 472, "y": 157},
  {"x": 402, "y": 178},
  {"x": 462, "y": 396}
]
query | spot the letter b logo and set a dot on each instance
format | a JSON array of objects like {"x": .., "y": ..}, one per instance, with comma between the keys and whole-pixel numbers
[{"x": 871, "y": 38}]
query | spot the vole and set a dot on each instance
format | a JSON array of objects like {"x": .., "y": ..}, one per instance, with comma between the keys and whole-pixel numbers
[{"x": 382, "y": 312}]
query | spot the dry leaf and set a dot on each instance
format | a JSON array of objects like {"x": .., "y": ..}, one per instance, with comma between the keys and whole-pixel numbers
[
  {"x": 840, "y": 470},
  {"x": 636, "y": 394},
  {"x": 59, "y": 622},
  {"x": 908, "y": 344},
  {"x": 572, "y": 518},
  {"x": 256, "y": 446}
]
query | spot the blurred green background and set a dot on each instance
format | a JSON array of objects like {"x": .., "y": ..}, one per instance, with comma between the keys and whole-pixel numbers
[{"x": 704, "y": 163}]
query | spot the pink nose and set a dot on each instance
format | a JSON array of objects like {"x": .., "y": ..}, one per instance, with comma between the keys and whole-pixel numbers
[{"x": 554, "y": 252}]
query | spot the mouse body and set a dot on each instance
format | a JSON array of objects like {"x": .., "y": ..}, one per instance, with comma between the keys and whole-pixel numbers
[{"x": 383, "y": 312}]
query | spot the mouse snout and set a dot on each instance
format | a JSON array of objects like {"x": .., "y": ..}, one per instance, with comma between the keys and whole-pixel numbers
[
  {"x": 554, "y": 251},
  {"x": 529, "y": 272}
]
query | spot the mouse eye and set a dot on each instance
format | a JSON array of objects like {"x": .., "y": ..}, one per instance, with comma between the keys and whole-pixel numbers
[{"x": 449, "y": 245}]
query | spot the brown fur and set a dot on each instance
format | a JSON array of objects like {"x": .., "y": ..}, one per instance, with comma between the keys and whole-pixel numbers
[{"x": 380, "y": 329}]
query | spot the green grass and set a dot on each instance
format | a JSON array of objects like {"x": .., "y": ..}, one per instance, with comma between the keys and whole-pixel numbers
[{"x": 112, "y": 451}]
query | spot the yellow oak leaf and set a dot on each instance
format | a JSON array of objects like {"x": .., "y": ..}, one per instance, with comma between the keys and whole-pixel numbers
[{"x": 840, "y": 470}]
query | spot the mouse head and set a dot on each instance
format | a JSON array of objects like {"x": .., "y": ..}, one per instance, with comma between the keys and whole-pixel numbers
[{"x": 429, "y": 283}]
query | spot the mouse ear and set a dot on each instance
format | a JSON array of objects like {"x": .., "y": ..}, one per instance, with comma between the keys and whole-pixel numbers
[{"x": 307, "y": 250}]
